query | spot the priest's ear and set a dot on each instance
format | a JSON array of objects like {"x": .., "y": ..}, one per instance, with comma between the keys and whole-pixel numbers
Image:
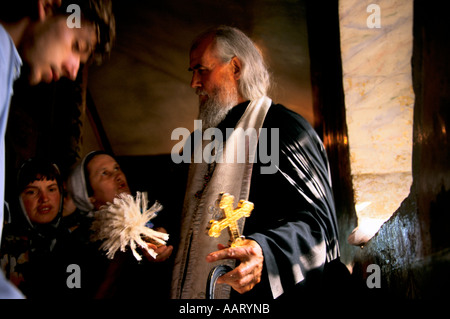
[{"x": 237, "y": 67}]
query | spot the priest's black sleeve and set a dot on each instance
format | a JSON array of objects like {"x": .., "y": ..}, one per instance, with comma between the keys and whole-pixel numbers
[{"x": 294, "y": 216}]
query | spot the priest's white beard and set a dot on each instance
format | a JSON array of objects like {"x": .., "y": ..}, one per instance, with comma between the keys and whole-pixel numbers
[{"x": 215, "y": 108}]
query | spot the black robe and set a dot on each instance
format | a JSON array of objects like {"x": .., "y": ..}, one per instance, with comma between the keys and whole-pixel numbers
[{"x": 294, "y": 218}]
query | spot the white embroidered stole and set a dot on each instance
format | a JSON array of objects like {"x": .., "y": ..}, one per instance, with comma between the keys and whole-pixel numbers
[{"x": 206, "y": 181}]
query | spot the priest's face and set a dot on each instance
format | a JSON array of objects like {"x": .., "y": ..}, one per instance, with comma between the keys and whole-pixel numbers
[
  {"x": 214, "y": 82},
  {"x": 107, "y": 180}
]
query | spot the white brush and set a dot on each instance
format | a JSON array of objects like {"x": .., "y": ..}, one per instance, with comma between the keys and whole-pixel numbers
[{"x": 122, "y": 224}]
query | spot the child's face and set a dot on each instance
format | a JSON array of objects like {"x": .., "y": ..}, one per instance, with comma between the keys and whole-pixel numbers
[
  {"x": 41, "y": 200},
  {"x": 52, "y": 50}
]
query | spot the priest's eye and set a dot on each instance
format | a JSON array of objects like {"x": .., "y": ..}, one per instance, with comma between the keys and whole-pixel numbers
[{"x": 198, "y": 70}]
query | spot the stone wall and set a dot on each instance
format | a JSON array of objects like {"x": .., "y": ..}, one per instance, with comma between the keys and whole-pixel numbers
[
  {"x": 376, "y": 48},
  {"x": 412, "y": 249}
]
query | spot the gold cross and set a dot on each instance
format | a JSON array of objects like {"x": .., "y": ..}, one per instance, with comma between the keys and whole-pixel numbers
[{"x": 232, "y": 216}]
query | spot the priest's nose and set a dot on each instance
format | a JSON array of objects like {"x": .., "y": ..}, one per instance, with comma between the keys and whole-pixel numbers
[{"x": 195, "y": 81}]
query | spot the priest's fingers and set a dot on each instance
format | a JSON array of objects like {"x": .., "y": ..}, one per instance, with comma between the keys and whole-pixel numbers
[
  {"x": 248, "y": 249},
  {"x": 220, "y": 247},
  {"x": 243, "y": 278}
]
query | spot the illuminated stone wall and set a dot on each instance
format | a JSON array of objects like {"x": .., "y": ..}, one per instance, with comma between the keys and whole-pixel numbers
[
  {"x": 376, "y": 49},
  {"x": 409, "y": 257}
]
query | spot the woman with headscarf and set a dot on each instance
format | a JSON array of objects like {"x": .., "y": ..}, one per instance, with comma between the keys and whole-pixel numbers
[
  {"x": 94, "y": 183},
  {"x": 32, "y": 244}
]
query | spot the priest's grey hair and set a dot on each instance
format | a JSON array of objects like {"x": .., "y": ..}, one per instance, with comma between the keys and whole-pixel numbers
[{"x": 231, "y": 42}]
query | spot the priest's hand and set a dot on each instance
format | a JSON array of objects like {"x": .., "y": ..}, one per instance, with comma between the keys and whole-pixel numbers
[{"x": 245, "y": 276}]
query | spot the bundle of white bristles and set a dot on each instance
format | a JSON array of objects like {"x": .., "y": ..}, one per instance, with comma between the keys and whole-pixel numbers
[{"x": 122, "y": 224}]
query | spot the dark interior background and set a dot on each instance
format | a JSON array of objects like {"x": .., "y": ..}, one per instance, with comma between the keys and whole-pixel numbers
[{"x": 132, "y": 103}]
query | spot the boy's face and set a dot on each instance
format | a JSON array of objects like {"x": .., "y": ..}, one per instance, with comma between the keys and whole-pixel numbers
[{"x": 52, "y": 50}]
